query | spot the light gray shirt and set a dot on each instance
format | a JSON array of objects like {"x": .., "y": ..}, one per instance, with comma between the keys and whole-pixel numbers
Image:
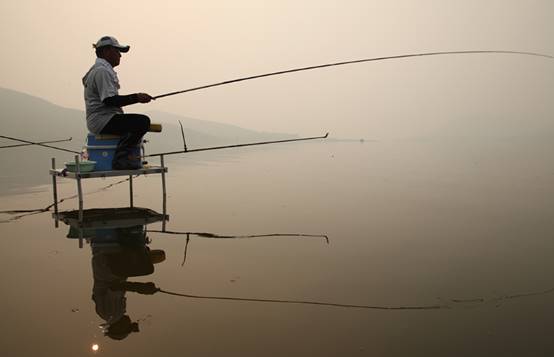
[{"x": 100, "y": 82}]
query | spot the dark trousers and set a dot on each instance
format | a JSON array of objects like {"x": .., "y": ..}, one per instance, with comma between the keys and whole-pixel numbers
[{"x": 132, "y": 128}]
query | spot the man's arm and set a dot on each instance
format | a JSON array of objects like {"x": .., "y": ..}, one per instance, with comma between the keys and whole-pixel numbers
[
  {"x": 108, "y": 88},
  {"x": 123, "y": 100}
]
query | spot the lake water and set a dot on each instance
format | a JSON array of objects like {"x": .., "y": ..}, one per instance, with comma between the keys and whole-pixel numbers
[{"x": 445, "y": 246}]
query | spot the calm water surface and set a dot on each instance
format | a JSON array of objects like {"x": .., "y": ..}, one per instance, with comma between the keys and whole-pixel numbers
[{"x": 448, "y": 245}]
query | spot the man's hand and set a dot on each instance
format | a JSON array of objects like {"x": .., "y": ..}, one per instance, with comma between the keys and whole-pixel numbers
[{"x": 144, "y": 98}]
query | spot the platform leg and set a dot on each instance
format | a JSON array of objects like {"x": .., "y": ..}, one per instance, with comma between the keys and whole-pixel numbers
[
  {"x": 131, "y": 191},
  {"x": 79, "y": 189},
  {"x": 55, "y": 192},
  {"x": 164, "y": 202}
]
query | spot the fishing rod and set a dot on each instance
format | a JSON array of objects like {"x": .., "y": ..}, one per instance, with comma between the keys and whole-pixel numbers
[
  {"x": 353, "y": 62},
  {"x": 236, "y": 146},
  {"x": 39, "y": 144}
]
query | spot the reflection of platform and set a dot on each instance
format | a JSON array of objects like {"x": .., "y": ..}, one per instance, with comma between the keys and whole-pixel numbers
[
  {"x": 103, "y": 225},
  {"x": 78, "y": 176},
  {"x": 111, "y": 217}
]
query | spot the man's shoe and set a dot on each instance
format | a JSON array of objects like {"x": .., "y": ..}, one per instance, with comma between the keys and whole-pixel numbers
[{"x": 124, "y": 160}]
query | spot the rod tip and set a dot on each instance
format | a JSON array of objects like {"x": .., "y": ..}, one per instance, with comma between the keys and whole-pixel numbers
[{"x": 326, "y": 135}]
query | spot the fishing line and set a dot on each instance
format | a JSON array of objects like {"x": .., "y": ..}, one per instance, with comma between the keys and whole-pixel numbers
[
  {"x": 352, "y": 62},
  {"x": 183, "y": 135}
]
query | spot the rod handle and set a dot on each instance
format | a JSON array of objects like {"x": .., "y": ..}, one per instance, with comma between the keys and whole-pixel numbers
[{"x": 155, "y": 128}]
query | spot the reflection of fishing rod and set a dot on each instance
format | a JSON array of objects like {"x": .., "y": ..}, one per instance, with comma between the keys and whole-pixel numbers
[
  {"x": 236, "y": 146},
  {"x": 38, "y": 143},
  {"x": 213, "y": 235},
  {"x": 350, "y": 62},
  {"x": 151, "y": 289},
  {"x": 307, "y": 302}
]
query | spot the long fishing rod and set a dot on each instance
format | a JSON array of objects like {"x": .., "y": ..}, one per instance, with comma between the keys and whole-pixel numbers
[
  {"x": 39, "y": 144},
  {"x": 237, "y": 145},
  {"x": 352, "y": 62}
]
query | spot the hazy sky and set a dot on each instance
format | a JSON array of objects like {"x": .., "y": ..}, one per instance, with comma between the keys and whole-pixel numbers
[{"x": 180, "y": 44}]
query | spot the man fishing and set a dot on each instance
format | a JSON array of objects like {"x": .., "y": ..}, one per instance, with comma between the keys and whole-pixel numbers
[{"x": 104, "y": 104}]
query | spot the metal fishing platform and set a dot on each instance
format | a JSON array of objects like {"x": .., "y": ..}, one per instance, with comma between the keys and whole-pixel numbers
[{"x": 78, "y": 176}]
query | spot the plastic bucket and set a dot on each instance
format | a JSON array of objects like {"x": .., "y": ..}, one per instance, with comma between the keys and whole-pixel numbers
[{"x": 101, "y": 148}]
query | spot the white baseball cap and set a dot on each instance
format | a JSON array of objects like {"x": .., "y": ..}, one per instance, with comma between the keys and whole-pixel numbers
[{"x": 111, "y": 41}]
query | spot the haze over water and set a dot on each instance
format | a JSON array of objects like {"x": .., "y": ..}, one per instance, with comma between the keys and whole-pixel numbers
[
  {"x": 177, "y": 45},
  {"x": 410, "y": 224}
]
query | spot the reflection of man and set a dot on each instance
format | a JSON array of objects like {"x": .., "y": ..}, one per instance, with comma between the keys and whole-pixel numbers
[
  {"x": 103, "y": 103},
  {"x": 120, "y": 255}
]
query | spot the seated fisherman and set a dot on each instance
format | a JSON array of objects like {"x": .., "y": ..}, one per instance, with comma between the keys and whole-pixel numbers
[{"x": 103, "y": 104}]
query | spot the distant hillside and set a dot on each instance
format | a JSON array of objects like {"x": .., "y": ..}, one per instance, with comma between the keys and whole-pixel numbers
[
  {"x": 29, "y": 117},
  {"x": 34, "y": 119}
]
